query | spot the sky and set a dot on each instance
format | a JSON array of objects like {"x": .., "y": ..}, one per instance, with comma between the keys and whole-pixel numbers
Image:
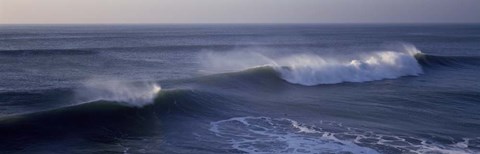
[{"x": 238, "y": 11}]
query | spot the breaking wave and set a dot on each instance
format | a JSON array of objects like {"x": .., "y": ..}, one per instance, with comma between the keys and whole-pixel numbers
[{"x": 313, "y": 69}]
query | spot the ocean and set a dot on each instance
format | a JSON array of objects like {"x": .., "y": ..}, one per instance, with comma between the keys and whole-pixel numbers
[{"x": 240, "y": 88}]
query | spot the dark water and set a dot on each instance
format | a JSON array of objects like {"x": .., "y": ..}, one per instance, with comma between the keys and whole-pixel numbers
[{"x": 239, "y": 89}]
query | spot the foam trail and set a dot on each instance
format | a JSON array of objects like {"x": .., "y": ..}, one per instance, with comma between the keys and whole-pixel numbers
[
  {"x": 135, "y": 94},
  {"x": 312, "y": 69},
  {"x": 282, "y": 135},
  {"x": 269, "y": 135}
]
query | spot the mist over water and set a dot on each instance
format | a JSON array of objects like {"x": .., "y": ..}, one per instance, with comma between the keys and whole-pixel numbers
[
  {"x": 240, "y": 89},
  {"x": 135, "y": 94}
]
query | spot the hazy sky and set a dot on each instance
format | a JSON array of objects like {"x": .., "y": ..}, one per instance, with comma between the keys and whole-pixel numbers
[{"x": 239, "y": 11}]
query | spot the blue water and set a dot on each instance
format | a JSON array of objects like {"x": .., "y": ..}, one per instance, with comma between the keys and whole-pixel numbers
[{"x": 239, "y": 88}]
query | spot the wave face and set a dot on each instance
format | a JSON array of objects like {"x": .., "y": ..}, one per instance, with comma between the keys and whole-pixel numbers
[
  {"x": 447, "y": 61},
  {"x": 312, "y": 69},
  {"x": 106, "y": 121}
]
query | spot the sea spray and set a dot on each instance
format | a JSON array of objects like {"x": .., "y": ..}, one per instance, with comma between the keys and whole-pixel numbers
[
  {"x": 131, "y": 93},
  {"x": 313, "y": 69}
]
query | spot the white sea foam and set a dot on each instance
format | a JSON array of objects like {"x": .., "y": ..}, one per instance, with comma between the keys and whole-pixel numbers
[
  {"x": 313, "y": 69},
  {"x": 266, "y": 135},
  {"x": 281, "y": 135},
  {"x": 135, "y": 94}
]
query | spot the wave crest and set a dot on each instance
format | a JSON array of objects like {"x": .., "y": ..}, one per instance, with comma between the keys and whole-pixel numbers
[
  {"x": 135, "y": 94},
  {"x": 312, "y": 69}
]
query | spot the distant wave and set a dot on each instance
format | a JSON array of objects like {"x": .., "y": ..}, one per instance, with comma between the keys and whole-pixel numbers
[{"x": 46, "y": 52}]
